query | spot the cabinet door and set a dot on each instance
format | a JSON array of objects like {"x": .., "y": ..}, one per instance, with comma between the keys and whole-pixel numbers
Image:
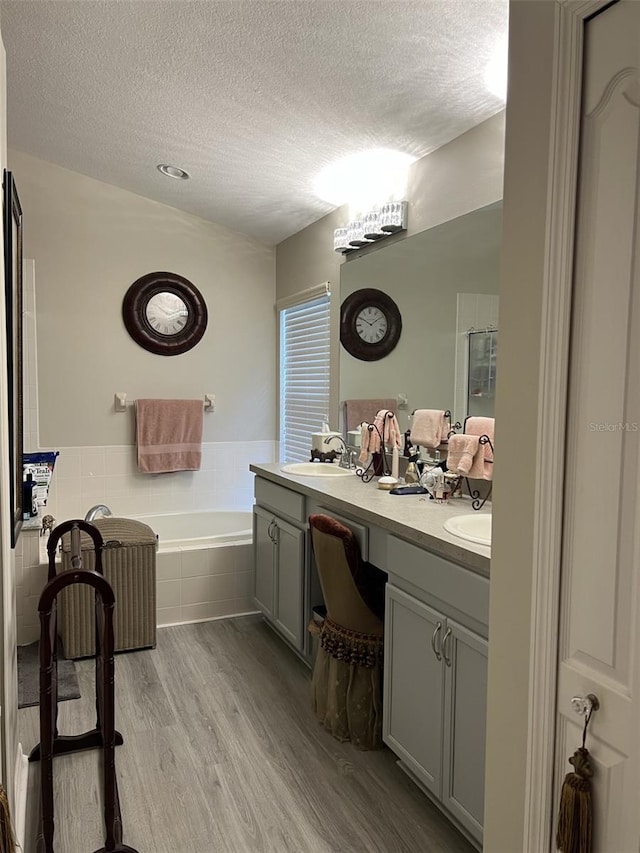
[
  {"x": 465, "y": 657},
  {"x": 413, "y": 686},
  {"x": 264, "y": 557},
  {"x": 289, "y": 581}
]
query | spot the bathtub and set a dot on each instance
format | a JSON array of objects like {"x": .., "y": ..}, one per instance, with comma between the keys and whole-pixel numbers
[
  {"x": 199, "y": 529},
  {"x": 204, "y": 565}
]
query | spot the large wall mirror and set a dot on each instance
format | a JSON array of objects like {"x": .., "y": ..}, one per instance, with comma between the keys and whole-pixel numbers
[{"x": 442, "y": 280}]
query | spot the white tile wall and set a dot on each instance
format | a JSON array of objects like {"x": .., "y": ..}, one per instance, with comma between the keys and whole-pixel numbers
[
  {"x": 31, "y": 577},
  {"x": 84, "y": 476},
  {"x": 204, "y": 583}
]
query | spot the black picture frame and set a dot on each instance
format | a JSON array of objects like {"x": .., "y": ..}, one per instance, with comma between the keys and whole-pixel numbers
[{"x": 13, "y": 298}]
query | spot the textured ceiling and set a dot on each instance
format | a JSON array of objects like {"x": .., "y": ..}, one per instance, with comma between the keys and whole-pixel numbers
[{"x": 251, "y": 97}]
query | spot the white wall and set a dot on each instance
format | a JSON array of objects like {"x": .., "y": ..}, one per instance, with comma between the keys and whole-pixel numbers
[{"x": 90, "y": 241}]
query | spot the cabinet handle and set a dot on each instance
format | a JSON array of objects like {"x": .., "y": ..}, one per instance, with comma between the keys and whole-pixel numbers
[
  {"x": 275, "y": 532},
  {"x": 447, "y": 634},
  {"x": 272, "y": 524},
  {"x": 433, "y": 641}
]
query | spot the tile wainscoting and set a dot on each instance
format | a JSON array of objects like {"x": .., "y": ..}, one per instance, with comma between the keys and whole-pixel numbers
[{"x": 85, "y": 476}]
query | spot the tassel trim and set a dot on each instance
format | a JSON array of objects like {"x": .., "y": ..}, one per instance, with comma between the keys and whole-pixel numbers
[
  {"x": 350, "y": 646},
  {"x": 575, "y": 820}
]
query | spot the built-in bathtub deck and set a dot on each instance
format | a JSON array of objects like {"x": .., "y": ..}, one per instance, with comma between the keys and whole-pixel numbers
[{"x": 202, "y": 572}]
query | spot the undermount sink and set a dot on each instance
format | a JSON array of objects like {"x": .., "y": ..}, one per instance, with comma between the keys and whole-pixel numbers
[
  {"x": 474, "y": 528},
  {"x": 316, "y": 469}
]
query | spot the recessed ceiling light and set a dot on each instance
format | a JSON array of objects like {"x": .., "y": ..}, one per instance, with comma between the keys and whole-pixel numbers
[
  {"x": 364, "y": 178},
  {"x": 173, "y": 172}
]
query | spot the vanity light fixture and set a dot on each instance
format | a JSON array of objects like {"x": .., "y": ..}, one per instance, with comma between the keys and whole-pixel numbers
[
  {"x": 173, "y": 172},
  {"x": 387, "y": 219}
]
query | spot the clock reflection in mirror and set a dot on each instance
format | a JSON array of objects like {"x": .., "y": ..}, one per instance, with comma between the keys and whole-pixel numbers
[{"x": 371, "y": 324}]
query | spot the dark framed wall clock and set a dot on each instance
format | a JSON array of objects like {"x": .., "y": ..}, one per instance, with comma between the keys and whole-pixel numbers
[
  {"x": 370, "y": 324},
  {"x": 165, "y": 313}
]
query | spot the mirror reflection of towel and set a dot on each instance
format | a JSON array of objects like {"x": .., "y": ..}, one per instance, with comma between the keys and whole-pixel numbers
[
  {"x": 385, "y": 425},
  {"x": 428, "y": 428},
  {"x": 359, "y": 411},
  {"x": 483, "y": 426},
  {"x": 169, "y": 435},
  {"x": 463, "y": 456}
]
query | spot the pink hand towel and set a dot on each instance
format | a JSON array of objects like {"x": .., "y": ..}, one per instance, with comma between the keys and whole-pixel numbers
[
  {"x": 463, "y": 456},
  {"x": 387, "y": 426},
  {"x": 428, "y": 428},
  {"x": 483, "y": 426},
  {"x": 169, "y": 435},
  {"x": 359, "y": 411},
  {"x": 369, "y": 442}
]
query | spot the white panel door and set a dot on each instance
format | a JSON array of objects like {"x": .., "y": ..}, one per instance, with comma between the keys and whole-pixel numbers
[{"x": 600, "y": 641}]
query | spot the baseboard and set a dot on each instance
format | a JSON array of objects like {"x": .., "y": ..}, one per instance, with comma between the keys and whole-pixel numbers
[
  {"x": 20, "y": 782},
  {"x": 461, "y": 829},
  {"x": 210, "y": 619}
]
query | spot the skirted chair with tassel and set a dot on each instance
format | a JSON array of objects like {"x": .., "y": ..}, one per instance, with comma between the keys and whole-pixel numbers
[{"x": 347, "y": 675}]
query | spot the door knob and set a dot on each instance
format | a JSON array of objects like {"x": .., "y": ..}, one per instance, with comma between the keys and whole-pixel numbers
[{"x": 585, "y": 705}]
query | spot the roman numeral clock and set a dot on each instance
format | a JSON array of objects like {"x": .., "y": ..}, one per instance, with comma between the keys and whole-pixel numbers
[
  {"x": 370, "y": 324},
  {"x": 164, "y": 313}
]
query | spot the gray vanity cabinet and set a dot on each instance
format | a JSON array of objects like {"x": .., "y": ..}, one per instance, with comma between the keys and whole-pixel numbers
[
  {"x": 265, "y": 561},
  {"x": 465, "y": 719},
  {"x": 435, "y": 704},
  {"x": 280, "y": 560},
  {"x": 436, "y": 624},
  {"x": 413, "y": 687}
]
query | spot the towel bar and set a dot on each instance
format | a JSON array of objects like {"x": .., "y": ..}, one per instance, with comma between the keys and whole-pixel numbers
[{"x": 120, "y": 402}]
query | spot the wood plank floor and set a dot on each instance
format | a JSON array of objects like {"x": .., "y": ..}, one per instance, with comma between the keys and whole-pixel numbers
[{"x": 223, "y": 754}]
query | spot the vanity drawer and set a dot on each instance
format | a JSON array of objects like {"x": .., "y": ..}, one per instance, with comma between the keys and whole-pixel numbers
[
  {"x": 448, "y": 582},
  {"x": 281, "y": 500},
  {"x": 359, "y": 530}
]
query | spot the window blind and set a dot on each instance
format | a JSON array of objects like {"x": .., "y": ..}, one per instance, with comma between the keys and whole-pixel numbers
[{"x": 304, "y": 375}]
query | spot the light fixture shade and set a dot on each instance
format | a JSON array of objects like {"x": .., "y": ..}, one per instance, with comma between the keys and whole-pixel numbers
[
  {"x": 389, "y": 219},
  {"x": 340, "y": 240},
  {"x": 372, "y": 229},
  {"x": 356, "y": 234},
  {"x": 393, "y": 216}
]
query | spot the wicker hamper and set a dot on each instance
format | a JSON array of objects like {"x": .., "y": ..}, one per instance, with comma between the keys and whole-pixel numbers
[{"x": 129, "y": 564}]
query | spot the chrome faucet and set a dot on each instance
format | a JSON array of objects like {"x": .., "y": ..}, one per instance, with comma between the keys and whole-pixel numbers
[
  {"x": 98, "y": 509},
  {"x": 347, "y": 456}
]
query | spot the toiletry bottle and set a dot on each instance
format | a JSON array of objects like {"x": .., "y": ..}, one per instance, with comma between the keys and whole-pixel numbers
[
  {"x": 395, "y": 462},
  {"x": 411, "y": 474},
  {"x": 27, "y": 496}
]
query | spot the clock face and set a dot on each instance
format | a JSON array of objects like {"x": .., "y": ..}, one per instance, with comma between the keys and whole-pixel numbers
[
  {"x": 167, "y": 313},
  {"x": 371, "y": 324}
]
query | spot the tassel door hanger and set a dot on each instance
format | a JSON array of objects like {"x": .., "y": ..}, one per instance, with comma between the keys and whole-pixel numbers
[{"x": 575, "y": 820}]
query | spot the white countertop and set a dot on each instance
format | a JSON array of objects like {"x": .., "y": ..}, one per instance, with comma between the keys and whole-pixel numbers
[{"x": 415, "y": 518}]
